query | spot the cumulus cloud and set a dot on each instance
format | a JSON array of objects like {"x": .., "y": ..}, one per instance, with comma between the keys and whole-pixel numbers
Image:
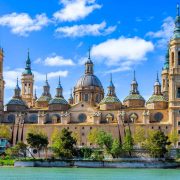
[
  {"x": 22, "y": 24},
  {"x": 11, "y": 75},
  {"x": 75, "y": 9},
  {"x": 165, "y": 33},
  {"x": 58, "y": 61},
  {"x": 85, "y": 30},
  {"x": 122, "y": 52}
]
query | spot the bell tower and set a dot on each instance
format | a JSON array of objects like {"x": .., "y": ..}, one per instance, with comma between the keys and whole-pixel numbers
[
  {"x": 27, "y": 81},
  {"x": 174, "y": 75},
  {"x": 1, "y": 81}
]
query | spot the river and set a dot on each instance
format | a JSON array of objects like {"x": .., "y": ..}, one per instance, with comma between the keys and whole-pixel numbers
[{"x": 7, "y": 173}]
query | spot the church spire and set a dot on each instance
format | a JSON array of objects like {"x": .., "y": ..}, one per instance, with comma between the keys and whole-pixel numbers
[
  {"x": 89, "y": 64},
  {"x": 17, "y": 90},
  {"x": 28, "y": 65},
  {"x": 157, "y": 86},
  {"x": 166, "y": 63},
  {"x": 59, "y": 89},
  {"x": 111, "y": 88},
  {"x": 134, "y": 85},
  {"x": 177, "y": 24},
  {"x": 46, "y": 88}
]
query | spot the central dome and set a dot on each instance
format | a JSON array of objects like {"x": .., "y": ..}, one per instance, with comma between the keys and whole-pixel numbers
[{"x": 88, "y": 80}]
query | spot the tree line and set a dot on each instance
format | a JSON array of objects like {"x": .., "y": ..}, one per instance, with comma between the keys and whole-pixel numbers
[{"x": 103, "y": 144}]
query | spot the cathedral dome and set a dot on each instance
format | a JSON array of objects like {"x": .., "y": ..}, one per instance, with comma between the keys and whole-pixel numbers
[
  {"x": 134, "y": 97},
  {"x": 16, "y": 101},
  {"x": 110, "y": 99},
  {"x": 88, "y": 80},
  {"x": 58, "y": 100},
  {"x": 156, "y": 98}
]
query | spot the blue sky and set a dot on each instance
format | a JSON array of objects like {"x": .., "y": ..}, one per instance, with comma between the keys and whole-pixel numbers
[{"x": 123, "y": 35}]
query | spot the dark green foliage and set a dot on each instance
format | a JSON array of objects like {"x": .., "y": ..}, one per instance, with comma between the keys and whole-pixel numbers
[
  {"x": 37, "y": 140},
  {"x": 116, "y": 149},
  {"x": 128, "y": 143},
  {"x": 156, "y": 144},
  {"x": 63, "y": 144}
]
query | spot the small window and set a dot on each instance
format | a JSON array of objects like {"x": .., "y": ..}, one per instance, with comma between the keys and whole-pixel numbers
[
  {"x": 178, "y": 131},
  {"x": 159, "y": 127},
  {"x": 90, "y": 127},
  {"x": 82, "y": 134},
  {"x": 82, "y": 127},
  {"x": 152, "y": 127},
  {"x": 178, "y": 123},
  {"x": 178, "y": 57},
  {"x": 178, "y": 92},
  {"x": 82, "y": 144},
  {"x": 178, "y": 143},
  {"x": 166, "y": 127}
]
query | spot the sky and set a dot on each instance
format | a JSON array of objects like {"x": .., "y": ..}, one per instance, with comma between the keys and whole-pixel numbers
[{"x": 123, "y": 35}]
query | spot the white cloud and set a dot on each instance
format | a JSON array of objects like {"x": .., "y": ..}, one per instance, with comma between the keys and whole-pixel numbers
[
  {"x": 165, "y": 33},
  {"x": 58, "y": 61},
  {"x": 85, "y": 30},
  {"x": 38, "y": 61},
  {"x": 122, "y": 52},
  {"x": 75, "y": 9},
  {"x": 22, "y": 24},
  {"x": 10, "y": 76}
]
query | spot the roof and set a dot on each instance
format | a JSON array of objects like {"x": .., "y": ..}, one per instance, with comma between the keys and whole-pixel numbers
[
  {"x": 58, "y": 100},
  {"x": 44, "y": 98},
  {"x": 88, "y": 80},
  {"x": 156, "y": 98},
  {"x": 16, "y": 101},
  {"x": 134, "y": 97},
  {"x": 110, "y": 99}
]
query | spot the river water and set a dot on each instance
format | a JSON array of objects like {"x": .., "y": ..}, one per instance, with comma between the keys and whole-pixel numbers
[{"x": 88, "y": 174}]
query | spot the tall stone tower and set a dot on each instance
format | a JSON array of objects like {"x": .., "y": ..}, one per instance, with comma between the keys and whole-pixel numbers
[
  {"x": 1, "y": 81},
  {"x": 27, "y": 81},
  {"x": 174, "y": 76},
  {"x": 165, "y": 76}
]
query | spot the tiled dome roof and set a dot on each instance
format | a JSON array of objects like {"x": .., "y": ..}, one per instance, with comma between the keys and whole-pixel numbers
[
  {"x": 16, "y": 101},
  {"x": 156, "y": 98},
  {"x": 110, "y": 99},
  {"x": 58, "y": 100},
  {"x": 134, "y": 97},
  {"x": 44, "y": 98},
  {"x": 88, "y": 80}
]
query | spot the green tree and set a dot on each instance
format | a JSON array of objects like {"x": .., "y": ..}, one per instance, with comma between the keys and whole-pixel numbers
[
  {"x": 63, "y": 144},
  {"x": 139, "y": 136},
  {"x": 5, "y": 132},
  {"x": 128, "y": 142},
  {"x": 174, "y": 137},
  {"x": 116, "y": 149},
  {"x": 92, "y": 136},
  {"x": 38, "y": 140},
  {"x": 105, "y": 141},
  {"x": 156, "y": 144}
]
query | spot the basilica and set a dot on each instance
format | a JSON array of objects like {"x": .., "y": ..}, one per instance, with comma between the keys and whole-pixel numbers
[{"x": 88, "y": 107}]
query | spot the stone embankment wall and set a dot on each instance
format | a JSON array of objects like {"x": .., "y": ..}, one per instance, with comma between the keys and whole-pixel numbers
[{"x": 98, "y": 164}]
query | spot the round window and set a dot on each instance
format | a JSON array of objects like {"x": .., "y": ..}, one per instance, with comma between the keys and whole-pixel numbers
[
  {"x": 82, "y": 117},
  {"x": 158, "y": 116}
]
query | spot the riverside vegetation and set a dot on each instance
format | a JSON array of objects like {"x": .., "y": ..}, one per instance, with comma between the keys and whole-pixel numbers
[{"x": 103, "y": 145}]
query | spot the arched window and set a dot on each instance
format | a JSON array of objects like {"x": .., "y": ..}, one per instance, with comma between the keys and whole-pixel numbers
[
  {"x": 172, "y": 59},
  {"x": 86, "y": 97},
  {"x": 163, "y": 83},
  {"x": 178, "y": 92},
  {"x": 178, "y": 57}
]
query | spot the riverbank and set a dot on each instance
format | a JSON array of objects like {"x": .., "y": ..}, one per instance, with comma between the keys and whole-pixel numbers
[{"x": 99, "y": 164}]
